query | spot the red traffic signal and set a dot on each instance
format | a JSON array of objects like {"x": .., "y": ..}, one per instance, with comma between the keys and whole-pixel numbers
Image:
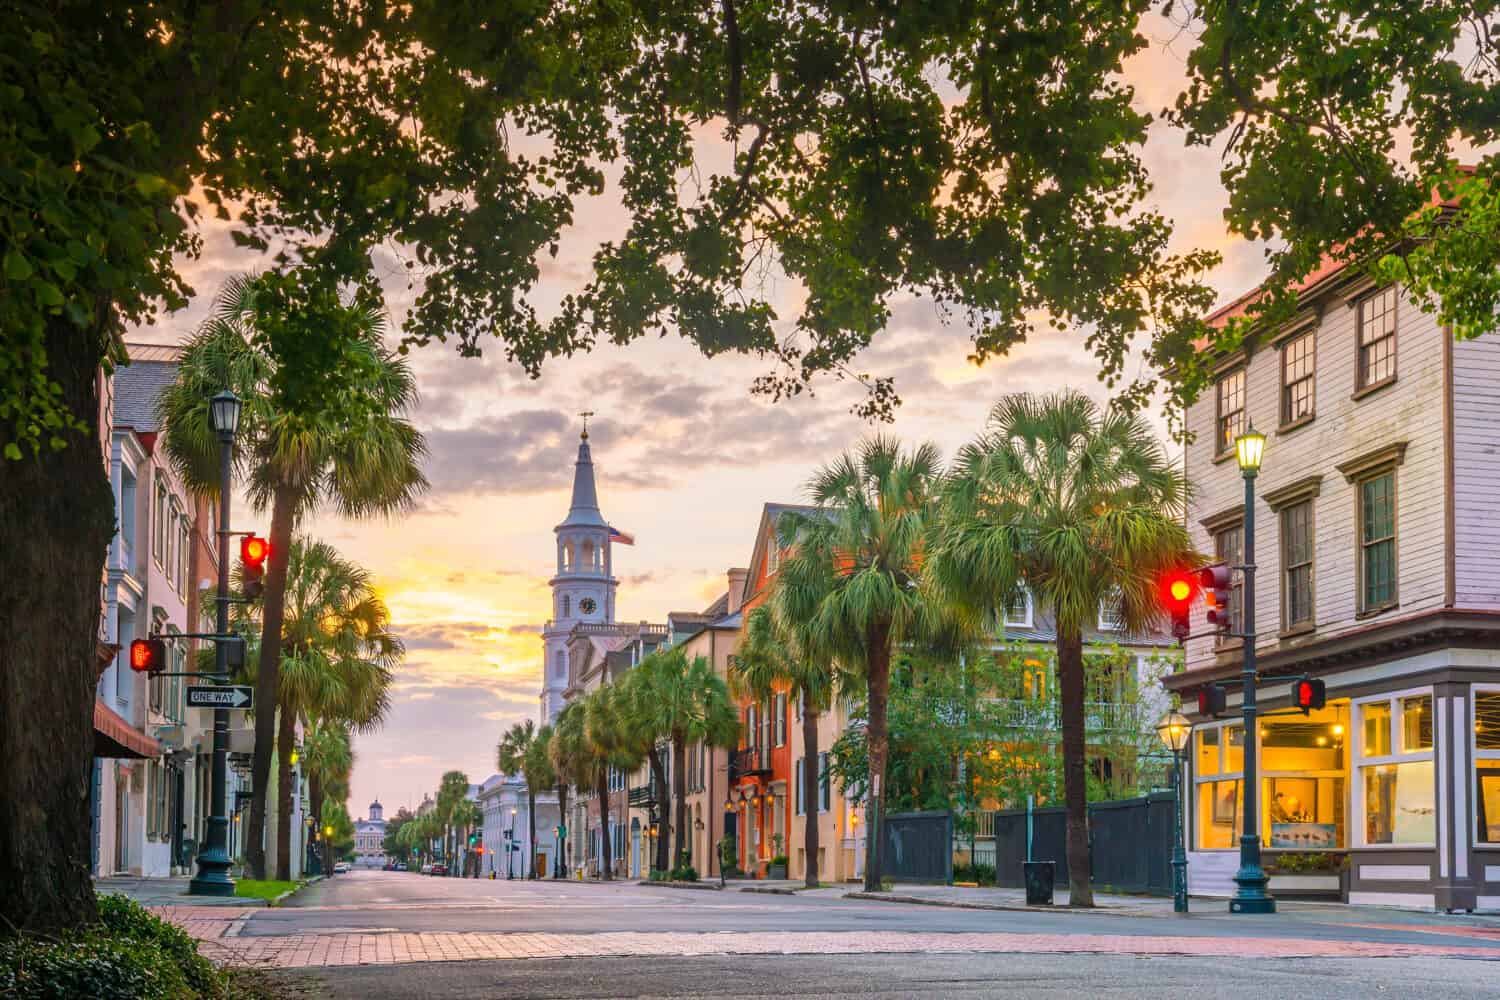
[
  {"x": 1211, "y": 700},
  {"x": 254, "y": 551},
  {"x": 1178, "y": 589},
  {"x": 148, "y": 656},
  {"x": 1308, "y": 693},
  {"x": 1217, "y": 582}
]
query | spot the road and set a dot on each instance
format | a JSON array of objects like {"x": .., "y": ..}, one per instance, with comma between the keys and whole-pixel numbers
[{"x": 387, "y": 934}]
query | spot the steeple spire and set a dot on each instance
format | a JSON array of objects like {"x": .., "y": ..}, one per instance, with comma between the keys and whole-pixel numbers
[{"x": 584, "y": 510}]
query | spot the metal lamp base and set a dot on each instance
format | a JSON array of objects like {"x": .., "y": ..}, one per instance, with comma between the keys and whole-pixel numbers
[{"x": 1265, "y": 904}]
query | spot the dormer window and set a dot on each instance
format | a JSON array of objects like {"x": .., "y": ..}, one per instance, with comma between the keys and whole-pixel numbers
[
  {"x": 1109, "y": 614},
  {"x": 1018, "y": 610}
]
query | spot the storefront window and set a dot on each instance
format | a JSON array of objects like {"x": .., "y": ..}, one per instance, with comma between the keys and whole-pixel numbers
[
  {"x": 1376, "y": 719},
  {"x": 1219, "y": 806},
  {"x": 1487, "y": 765},
  {"x": 1208, "y": 752},
  {"x": 1399, "y": 803},
  {"x": 1304, "y": 763},
  {"x": 1396, "y": 782},
  {"x": 1234, "y": 748},
  {"x": 1416, "y": 723}
]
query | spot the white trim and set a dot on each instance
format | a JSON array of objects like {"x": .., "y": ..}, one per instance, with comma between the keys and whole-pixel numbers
[
  {"x": 1440, "y": 737},
  {"x": 1487, "y": 903},
  {"x": 1492, "y": 873},
  {"x": 1462, "y": 771},
  {"x": 1026, "y": 622},
  {"x": 1395, "y": 873},
  {"x": 1404, "y": 900},
  {"x": 1303, "y": 883},
  {"x": 1358, "y": 760}
]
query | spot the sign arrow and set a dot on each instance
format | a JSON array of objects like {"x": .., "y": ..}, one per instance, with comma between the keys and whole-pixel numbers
[{"x": 239, "y": 696}]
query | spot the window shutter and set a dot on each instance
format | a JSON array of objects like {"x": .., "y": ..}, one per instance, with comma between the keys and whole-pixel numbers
[{"x": 797, "y": 781}]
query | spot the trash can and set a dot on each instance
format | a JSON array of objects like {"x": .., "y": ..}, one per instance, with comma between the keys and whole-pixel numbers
[{"x": 1040, "y": 878}]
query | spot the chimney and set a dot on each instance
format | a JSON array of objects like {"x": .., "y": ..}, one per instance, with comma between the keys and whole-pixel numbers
[{"x": 736, "y": 589}]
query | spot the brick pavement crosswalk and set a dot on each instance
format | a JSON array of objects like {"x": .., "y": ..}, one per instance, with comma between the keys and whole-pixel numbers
[{"x": 217, "y": 930}]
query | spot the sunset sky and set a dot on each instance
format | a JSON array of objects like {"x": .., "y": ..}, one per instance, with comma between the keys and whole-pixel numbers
[{"x": 685, "y": 459}]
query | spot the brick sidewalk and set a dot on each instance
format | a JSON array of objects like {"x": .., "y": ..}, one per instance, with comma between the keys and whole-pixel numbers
[{"x": 217, "y": 930}]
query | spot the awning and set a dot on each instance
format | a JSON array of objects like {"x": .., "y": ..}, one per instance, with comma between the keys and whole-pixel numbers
[{"x": 114, "y": 737}]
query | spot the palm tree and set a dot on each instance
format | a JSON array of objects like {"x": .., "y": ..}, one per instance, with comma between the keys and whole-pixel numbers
[
  {"x": 523, "y": 750},
  {"x": 337, "y": 658},
  {"x": 606, "y": 735},
  {"x": 572, "y": 754},
  {"x": 688, "y": 703},
  {"x": 313, "y": 429},
  {"x": 770, "y": 659},
  {"x": 327, "y": 760},
  {"x": 849, "y": 586},
  {"x": 1083, "y": 509},
  {"x": 639, "y": 727},
  {"x": 452, "y": 797}
]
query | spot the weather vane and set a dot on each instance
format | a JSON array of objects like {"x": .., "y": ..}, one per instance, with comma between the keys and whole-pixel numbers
[{"x": 585, "y": 415}]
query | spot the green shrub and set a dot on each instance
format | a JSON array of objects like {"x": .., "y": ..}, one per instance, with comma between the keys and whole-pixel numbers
[
  {"x": 684, "y": 873},
  {"x": 656, "y": 875},
  {"x": 121, "y": 916},
  {"x": 779, "y": 861},
  {"x": 979, "y": 874},
  {"x": 90, "y": 964}
]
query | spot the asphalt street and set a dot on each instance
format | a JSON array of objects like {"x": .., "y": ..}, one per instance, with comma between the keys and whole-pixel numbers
[
  {"x": 384, "y": 902},
  {"x": 1097, "y": 977}
]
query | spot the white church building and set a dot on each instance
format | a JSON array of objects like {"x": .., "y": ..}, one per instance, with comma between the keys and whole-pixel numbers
[{"x": 369, "y": 838}]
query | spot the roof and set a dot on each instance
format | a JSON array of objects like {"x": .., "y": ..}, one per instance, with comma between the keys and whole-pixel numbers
[
  {"x": 138, "y": 385},
  {"x": 1044, "y": 629},
  {"x": 583, "y": 511}
]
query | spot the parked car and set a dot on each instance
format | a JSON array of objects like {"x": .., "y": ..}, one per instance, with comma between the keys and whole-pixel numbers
[
  {"x": 399, "y": 866},
  {"x": 440, "y": 869},
  {"x": 341, "y": 867},
  {"x": 427, "y": 869}
]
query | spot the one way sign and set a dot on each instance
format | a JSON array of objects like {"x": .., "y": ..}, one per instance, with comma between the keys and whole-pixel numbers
[{"x": 206, "y": 696}]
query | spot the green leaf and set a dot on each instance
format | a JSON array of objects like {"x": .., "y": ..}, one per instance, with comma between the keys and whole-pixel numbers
[{"x": 17, "y": 267}]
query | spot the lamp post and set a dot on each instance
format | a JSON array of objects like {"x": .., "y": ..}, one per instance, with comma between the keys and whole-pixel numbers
[
  {"x": 510, "y": 846},
  {"x": 213, "y": 878},
  {"x": 1251, "y": 896},
  {"x": 1174, "y": 730}
]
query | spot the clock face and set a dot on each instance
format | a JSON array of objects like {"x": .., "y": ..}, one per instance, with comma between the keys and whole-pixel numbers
[{"x": 587, "y": 605}]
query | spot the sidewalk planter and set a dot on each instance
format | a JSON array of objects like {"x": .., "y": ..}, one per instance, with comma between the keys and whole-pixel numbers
[
  {"x": 1041, "y": 877},
  {"x": 776, "y": 870}
]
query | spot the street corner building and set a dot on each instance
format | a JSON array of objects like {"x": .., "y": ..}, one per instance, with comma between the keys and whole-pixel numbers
[{"x": 1376, "y": 532}]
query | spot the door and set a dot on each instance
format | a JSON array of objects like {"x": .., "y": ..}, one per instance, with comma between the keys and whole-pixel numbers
[
  {"x": 122, "y": 825},
  {"x": 635, "y": 848}
]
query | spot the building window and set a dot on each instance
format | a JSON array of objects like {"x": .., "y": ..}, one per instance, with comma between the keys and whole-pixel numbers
[
  {"x": 1110, "y": 619},
  {"x": 1377, "y": 338},
  {"x": 1303, "y": 763},
  {"x": 1297, "y": 365},
  {"x": 560, "y": 670},
  {"x": 1487, "y": 765},
  {"x": 1018, "y": 610},
  {"x": 1229, "y": 549},
  {"x": 1297, "y": 564},
  {"x": 1396, "y": 786},
  {"x": 1377, "y": 542},
  {"x": 797, "y": 781},
  {"x": 567, "y": 606},
  {"x": 780, "y": 719},
  {"x": 159, "y": 522},
  {"x": 1219, "y": 755},
  {"x": 1230, "y": 393}
]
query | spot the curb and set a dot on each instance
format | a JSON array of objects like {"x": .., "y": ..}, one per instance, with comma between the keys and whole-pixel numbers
[
  {"x": 768, "y": 890},
  {"x": 711, "y": 886},
  {"x": 276, "y": 900},
  {"x": 891, "y": 897}
]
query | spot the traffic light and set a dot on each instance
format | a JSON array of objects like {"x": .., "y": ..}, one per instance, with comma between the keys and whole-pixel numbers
[
  {"x": 254, "y": 551},
  {"x": 148, "y": 656},
  {"x": 1308, "y": 693},
  {"x": 1217, "y": 581},
  {"x": 1211, "y": 700},
  {"x": 1178, "y": 588}
]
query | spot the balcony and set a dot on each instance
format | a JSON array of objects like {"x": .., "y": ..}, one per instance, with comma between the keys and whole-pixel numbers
[
  {"x": 645, "y": 797},
  {"x": 750, "y": 762},
  {"x": 1099, "y": 716}
]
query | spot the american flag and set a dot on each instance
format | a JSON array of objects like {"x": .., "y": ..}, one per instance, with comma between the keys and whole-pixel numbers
[{"x": 616, "y": 535}]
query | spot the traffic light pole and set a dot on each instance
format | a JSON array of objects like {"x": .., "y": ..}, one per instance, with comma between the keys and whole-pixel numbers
[
  {"x": 213, "y": 859},
  {"x": 1251, "y": 896}
]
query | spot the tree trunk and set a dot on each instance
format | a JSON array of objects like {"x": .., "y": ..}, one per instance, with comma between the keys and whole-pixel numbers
[
  {"x": 273, "y": 609},
  {"x": 659, "y": 776},
  {"x": 560, "y": 863},
  {"x": 530, "y": 831},
  {"x": 810, "y": 798},
  {"x": 679, "y": 800},
  {"x": 1070, "y": 686},
  {"x": 877, "y": 682},
  {"x": 601, "y": 789},
  {"x": 286, "y": 739},
  {"x": 57, "y": 509}
]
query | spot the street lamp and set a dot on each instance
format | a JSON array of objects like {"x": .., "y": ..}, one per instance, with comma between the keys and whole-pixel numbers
[
  {"x": 213, "y": 878},
  {"x": 1251, "y": 895},
  {"x": 1174, "y": 730}
]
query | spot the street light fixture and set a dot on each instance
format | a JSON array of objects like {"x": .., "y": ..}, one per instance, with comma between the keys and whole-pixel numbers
[
  {"x": 1174, "y": 730},
  {"x": 213, "y": 878},
  {"x": 1251, "y": 895}
]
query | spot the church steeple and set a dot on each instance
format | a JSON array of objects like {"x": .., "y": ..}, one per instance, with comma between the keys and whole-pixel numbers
[{"x": 584, "y": 510}]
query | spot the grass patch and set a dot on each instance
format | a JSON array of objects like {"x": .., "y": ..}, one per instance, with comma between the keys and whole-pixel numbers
[{"x": 262, "y": 888}]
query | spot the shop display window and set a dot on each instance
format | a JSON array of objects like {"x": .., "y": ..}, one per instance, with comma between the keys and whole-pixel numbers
[
  {"x": 1487, "y": 765},
  {"x": 1305, "y": 766},
  {"x": 1397, "y": 794}
]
